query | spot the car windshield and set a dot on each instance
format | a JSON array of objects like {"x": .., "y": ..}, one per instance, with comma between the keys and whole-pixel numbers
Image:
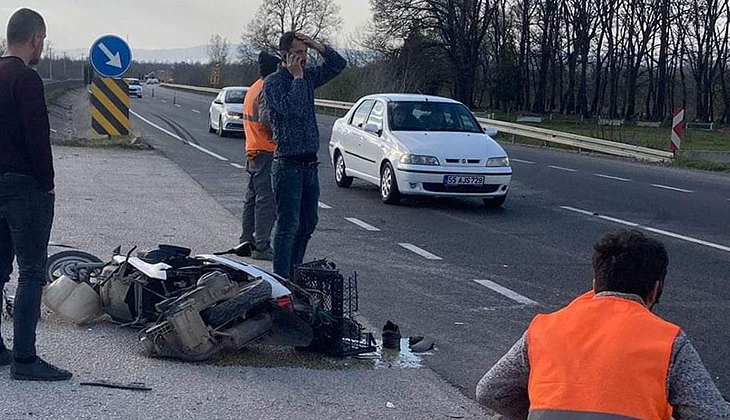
[
  {"x": 431, "y": 116},
  {"x": 133, "y": 82},
  {"x": 235, "y": 96}
]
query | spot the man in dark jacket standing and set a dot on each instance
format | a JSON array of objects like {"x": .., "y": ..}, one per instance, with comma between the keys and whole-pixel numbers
[
  {"x": 26, "y": 190},
  {"x": 290, "y": 99}
]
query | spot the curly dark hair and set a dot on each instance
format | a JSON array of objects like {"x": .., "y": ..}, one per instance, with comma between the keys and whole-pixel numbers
[
  {"x": 286, "y": 40},
  {"x": 627, "y": 261}
]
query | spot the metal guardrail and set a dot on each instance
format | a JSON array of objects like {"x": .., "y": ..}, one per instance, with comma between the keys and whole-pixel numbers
[{"x": 544, "y": 134}]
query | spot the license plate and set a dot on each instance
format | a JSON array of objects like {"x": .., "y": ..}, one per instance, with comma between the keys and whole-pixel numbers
[{"x": 463, "y": 180}]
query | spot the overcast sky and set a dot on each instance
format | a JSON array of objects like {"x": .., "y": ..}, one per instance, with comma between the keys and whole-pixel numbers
[{"x": 153, "y": 24}]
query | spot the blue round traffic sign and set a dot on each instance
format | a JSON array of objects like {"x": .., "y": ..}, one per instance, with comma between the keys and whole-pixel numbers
[{"x": 110, "y": 56}]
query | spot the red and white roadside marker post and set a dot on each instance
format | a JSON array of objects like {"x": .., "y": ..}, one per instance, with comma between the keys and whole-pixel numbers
[{"x": 677, "y": 127}]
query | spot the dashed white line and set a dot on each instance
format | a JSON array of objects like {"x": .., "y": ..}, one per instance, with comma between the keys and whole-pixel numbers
[
  {"x": 560, "y": 168},
  {"x": 53, "y": 131},
  {"x": 235, "y": 165},
  {"x": 422, "y": 252},
  {"x": 651, "y": 229},
  {"x": 163, "y": 101},
  {"x": 666, "y": 187},
  {"x": 506, "y": 292},
  {"x": 175, "y": 136},
  {"x": 523, "y": 161},
  {"x": 615, "y": 178},
  {"x": 195, "y": 111},
  {"x": 324, "y": 206},
  {"x": 362, "y": 224},
  {"x": 178, "y": 105},
  {"x": 204, "y": 150}
]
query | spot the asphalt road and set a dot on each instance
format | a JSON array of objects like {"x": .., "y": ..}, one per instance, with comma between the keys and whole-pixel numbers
[{"x": 538, "y": 246}]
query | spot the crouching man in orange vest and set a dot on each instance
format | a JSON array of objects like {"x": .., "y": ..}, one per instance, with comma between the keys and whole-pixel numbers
[
  {"x": 259, "y": 208},
  {"x": 606, "y": 356}
]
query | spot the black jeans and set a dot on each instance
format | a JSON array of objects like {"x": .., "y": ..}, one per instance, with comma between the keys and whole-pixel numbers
[
  {"x": 296, "y": 191},
  {"x": 26, "y": 216}
]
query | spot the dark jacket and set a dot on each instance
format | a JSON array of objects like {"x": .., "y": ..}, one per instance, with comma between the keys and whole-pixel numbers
[
  {"x": 25, "y": 145},
  {"x": 291, "y": 105}
]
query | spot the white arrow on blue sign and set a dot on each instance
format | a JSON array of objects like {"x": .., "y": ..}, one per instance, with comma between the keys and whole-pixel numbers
[{"x": 110, "y": 56}]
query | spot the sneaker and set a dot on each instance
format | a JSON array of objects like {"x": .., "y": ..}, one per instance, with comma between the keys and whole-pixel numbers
[
  {"x": 391, "y": 336},
  {"x": 6, "y": 357},
  {"x": 39, "y": 370},
  {"x": 266, "y": 255}
]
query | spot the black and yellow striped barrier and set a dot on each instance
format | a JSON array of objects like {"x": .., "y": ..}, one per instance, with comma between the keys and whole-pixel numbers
[{"x": 110, "y": 106}]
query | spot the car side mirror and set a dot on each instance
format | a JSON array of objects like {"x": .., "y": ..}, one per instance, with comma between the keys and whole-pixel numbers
[
  {"x": 490, "y": 131},
  {"x": 218, "y": 101},
  {"x": 373, "y": 129}
]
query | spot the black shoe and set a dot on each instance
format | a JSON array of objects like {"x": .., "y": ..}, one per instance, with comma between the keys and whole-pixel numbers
[
  {"x": 39, "y": 370},
  {"x": 391, "y": 336},
  {"x": 6, "y": 357}
]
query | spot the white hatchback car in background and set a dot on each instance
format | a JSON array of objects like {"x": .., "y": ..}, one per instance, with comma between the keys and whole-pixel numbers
[
  {"x": 418, "y": 145},
  {"x": 226, "y": 112},
  {"x": 134, "y": 87}
]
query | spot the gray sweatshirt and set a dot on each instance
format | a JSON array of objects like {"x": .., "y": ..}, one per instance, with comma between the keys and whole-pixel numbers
[
  {"x": 690, "y": 390},
  {"x": 291, "y": 105}
]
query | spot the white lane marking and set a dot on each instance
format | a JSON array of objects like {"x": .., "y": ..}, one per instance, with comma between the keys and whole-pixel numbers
[
  {"x": 53, "y": 131},
  {"x": 506, "y": 292},
  {"x": 586, "y": 212},
  {"x": 324, "y": 206},
  {"x": 362, "y": 224},
  {"x": 523, "y": 161},
  {"x": 688, "y": 239},
  {"x": 177, "y": 105},
  {"x": 195, "y": 111},
  {"x": 560, "y": 168},
  {"x": 204, "y": 150},
  {"x": 615, "y": 178},
  {"x": 175, "y": 136},
  {"x": 422, "y": 252},
  {"x": 163, "y": 101},
  {"x": 653, "y": 230},
  {"x": 666, "y": 187},
  {"x": 169, "y": 133},
  {"x": 235, "y": 165}
]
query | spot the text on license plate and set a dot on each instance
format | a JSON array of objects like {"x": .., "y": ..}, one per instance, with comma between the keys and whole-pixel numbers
[{"x": 463, "y": 180}]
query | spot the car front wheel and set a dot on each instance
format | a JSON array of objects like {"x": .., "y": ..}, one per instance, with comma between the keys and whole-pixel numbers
[
  {"x": 210, "y": 125},
  {"x": 389, "y": 193},
  {"x": 341, "y": 179},
  {"x": 221, "y": 131}
]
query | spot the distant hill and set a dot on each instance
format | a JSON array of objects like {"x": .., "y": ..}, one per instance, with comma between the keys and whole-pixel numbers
[{"x": 191, "y": 54}]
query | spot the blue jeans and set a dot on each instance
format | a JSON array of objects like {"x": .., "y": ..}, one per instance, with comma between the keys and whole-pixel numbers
[
  {"x": 259, "y": 213},
  {"x": 296, "y": 192},
  {"x": 26, "y": 216}
]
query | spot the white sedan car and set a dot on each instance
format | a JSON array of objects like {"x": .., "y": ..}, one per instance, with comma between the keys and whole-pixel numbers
[
  {"x": 418, "y": 145},
  {"x": 134, "y": 86},
  {"x": 226, "y": 112}
]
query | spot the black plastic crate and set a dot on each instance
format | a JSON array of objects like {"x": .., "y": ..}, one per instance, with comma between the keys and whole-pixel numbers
[{"x": 336, "y": 333}]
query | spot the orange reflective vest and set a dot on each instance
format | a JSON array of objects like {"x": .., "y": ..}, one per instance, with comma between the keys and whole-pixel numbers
[
  {"x": 258, "y": 135},
  {"x": 599, "y": 358}
]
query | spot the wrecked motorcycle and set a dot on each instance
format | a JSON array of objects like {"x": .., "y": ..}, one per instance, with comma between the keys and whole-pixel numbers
[{"x": 192, "y": 308}]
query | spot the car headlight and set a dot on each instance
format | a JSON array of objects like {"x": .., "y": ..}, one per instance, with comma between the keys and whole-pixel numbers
[
  {"x": 498, "y": 161},
  {"x": 419, "y": 160},
  {"x": 234, "y": 115}
]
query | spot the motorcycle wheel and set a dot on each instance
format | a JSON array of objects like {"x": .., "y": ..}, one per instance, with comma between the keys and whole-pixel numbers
[
  {"x": 63, "y": 263},
  {"x": 226, "y": 311}
]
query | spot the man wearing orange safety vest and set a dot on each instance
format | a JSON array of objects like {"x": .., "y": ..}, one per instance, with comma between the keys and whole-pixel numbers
[
  {"x": 606, "y": 356},
  {"x": 259, "y": 208}
]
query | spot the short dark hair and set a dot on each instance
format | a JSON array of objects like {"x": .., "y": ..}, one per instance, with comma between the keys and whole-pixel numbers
[
  {"x": 267, "y": 64},
  {"x": 627, "y": 261},
  {"x": 23, "y": 24},
  {"x": 286, "y": 40}
]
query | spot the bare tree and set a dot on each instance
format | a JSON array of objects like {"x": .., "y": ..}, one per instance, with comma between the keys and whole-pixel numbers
[
  {"x": 3, "y": 45},
  {"x": 218, "y": 50},
  {"x": 319, "y": 19}
]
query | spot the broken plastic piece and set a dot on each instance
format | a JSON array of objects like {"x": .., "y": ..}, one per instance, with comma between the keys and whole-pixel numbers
[
  {"x": 390, "y": 405},
  {"x": 132, "y": 386},
  {"x": 391, "y": 336},
  {"x": 420, "y": 344}
]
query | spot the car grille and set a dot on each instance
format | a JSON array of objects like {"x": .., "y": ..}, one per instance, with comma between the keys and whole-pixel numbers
[
  {"x": 478, "y": 189},
  {"x": 464, "y": 161}
]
